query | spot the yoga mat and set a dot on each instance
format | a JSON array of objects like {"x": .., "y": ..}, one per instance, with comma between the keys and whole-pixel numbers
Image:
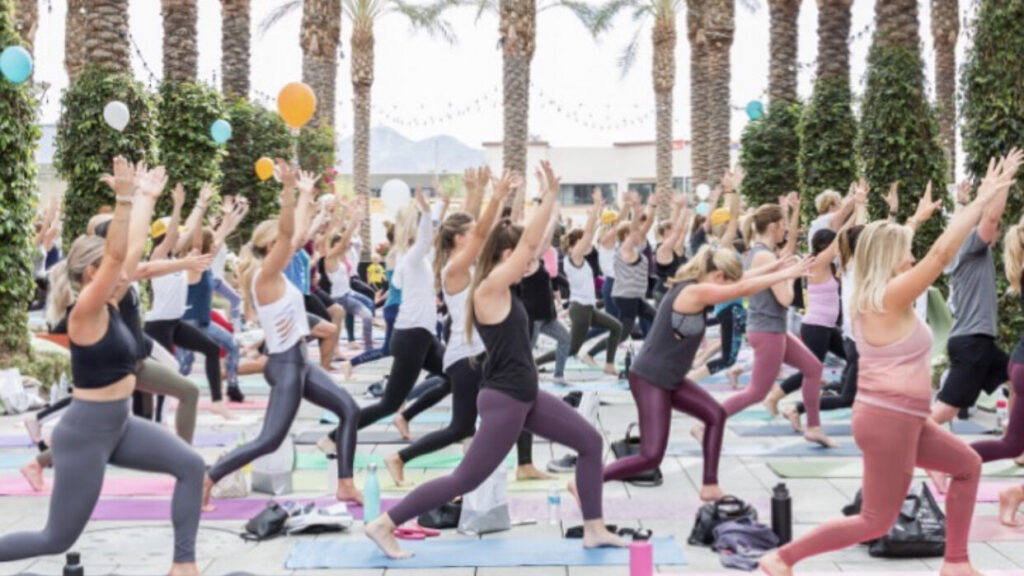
[
  {"x": 112, "y": 486},
  {"x": 489, "y": 552},
  {"x": 140, "y": 510},
  {"x": 761, "y": 415},
  {"x": 12, "y": 461},
  {"x": 585, "y": 386},
  {"x": 821, "y": 468},
  {"x": 989, "y": 529},
  {"x": 243, "y": 418},
  {"x": 210, "y": 439},
  {"x": 433, "y": 461},
  {"x": 987, "y": 491},
  {"x": 366, "y": 436},
  {"x": 15, "y": 441},
  {"x": 428, "y": 417},
  {"x": 841, "y": 429},
  {"x": 249, "y": 404},
  {"x": 799, "y": 449},
  {"x": 316, "y": 481}
]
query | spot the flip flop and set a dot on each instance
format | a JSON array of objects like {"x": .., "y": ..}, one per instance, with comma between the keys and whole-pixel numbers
[
  {"x": 428, "y": 532},
  {"x": 407, "y": 534}
]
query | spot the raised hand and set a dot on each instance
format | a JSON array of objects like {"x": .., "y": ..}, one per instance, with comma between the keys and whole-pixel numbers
[
  {"x": 892, "y": 199},
  {"x": 122, "y": 181},
  {"x": 926, "y": 206},
  {"x": 999, "y": 177},
  {"x": 206, "y": 193},
  {"x": 421, "y": 201},
  {"x": 196, "y": 262},
  {"x": 801, "y": 269},
  {"x": 963, "y": 192},
  {"x": 152, "y": 183},
  {"x": 552, "y": 181},
  {"x": 733, "y": 179},
  {"x": 285, "y": 173},
  {"x": 860, "y": 194},
  {"x": 503, "y": 186},
  {"x": 597, "y": 197},
  {"x": 227, "y": 205}
]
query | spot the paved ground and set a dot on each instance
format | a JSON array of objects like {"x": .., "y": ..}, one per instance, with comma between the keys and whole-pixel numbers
[{"x": 143, "y": 547}]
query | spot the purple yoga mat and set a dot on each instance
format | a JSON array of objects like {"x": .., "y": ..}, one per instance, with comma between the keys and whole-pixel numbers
[
  {"x": 201, "y": 440},
  {"x": 15, "y": 441},
  {"x": 141, "y": 509}
]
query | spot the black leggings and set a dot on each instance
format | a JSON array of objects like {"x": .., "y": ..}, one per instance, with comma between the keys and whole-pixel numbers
[
  {"x": 175, "y": 333},
  {"x": 316, "y": 307},
  {"x": 732, "y": 321},
  {"x": 849, "y": 392},
  {"x": 629, "y": 310},
  {"x": 426, "y": 395},
  {"x": 465, "y": 377},
  {"x": 820, "y": 340}
]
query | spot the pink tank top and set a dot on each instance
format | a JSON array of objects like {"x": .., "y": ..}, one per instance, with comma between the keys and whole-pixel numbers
[
  {"x": 823, "y": 303},
  {"x": 897, "y": 376}
]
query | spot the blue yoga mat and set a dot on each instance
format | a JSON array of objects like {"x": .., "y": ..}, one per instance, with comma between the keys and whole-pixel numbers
[
  {"x": 842, "y": 429},
  {"x": 14, "y": 460},
  {"x": 609, "y": 385},
  {"x": 771, "y": 450},
  {"x": 490, "y": 552}
]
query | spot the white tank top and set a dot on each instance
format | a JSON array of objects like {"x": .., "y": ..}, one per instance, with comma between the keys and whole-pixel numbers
[
  {"x": 340, "y": 283},
  {"x": 284, "y": 321},
  {"x": 170, "y": 297},
  {"x": 459, "y": 346},
  {"x": 581, "y": 282},
  {"x": 606, "y": 259}
]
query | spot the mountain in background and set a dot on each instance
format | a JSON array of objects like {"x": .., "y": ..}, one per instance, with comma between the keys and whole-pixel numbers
[{"x": 393, "y": 153}]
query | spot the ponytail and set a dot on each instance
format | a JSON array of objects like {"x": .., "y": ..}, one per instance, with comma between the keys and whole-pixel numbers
[
  {"x": 1013, "y": 262},
  {"x": 59, "y": 296},
  {"x": 709, "y": 259}
]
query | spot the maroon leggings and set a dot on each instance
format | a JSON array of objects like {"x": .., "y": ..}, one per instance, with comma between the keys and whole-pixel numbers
[
  {"x": 654, "y": 406},
  {"x": 502, "y": 418},
  {"x": 1011, "y": 444}
]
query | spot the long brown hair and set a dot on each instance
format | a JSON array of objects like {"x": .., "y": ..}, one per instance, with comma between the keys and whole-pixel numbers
[
  {"x": 444, "y": 241},
  {"x": 504, "y": 236},
  {"x": 765, "y": 216}
]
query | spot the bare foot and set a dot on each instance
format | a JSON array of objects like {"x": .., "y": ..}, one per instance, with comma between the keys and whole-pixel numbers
[
  {"x": 220, "y": 409},
  {"x": 940, "y": 479},
  {"x": 596, "y": 535},
  {"x": 346, "y": 369},
  {"x": 1009, "y": 502},
  {"x": 33, "y": 473},
  {"x": 402, "y": 425},
  {"x": 347, "y": 491},
  {"x": 611, "y": 370},
  {"x": 771, "y": 403},
  {"x": 381, "y": 533},
  {"x": 818, "y": 436},
  {"x": 710, "y": 493},
  {"x": 184, "y": 570},
  {"x": 734, "y": 374},
  {"x": 698, "y": 433},
  {"x": 1019, "y": 460},
  {"x": 207, "y": 490},
  {"x": 791, "y": 414},
  {"x": 355, "y": 345},
  {"x": 396, "y": 468},
  {"x": 772, "y": 565},
  {"x": 958, "y": 569},
  {"x": 587, "y": 359},
  {"x": 530, "y": 472},
  {"x": 327, "y": 446}
]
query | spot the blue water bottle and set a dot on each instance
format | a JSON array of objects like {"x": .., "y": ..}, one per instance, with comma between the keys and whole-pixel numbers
[{"x": 371, "y": 495}]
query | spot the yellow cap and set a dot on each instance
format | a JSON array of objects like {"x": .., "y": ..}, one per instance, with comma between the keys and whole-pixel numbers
[
  {"x": 720, "y": 216},
  {"x": 608, "y": 216},
  {"x": 159, "y": 228}
]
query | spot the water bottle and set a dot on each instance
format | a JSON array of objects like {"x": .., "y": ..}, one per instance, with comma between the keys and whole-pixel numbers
[
  {"x": 641, "y": 557},
  {"x": 782, "y": 514},
  {"x": 1001, "y": 414},
  {"x": 554, "y": 505},
  {"x": 73, "y": 567},
  {"x": 371, "y": 495},
  {"x": 628, "y": 363}
]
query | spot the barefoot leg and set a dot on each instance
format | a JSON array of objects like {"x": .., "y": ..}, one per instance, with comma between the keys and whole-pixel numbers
[
  {"x": 381, "y": 532},
  {"x": 596, "y": 535}
]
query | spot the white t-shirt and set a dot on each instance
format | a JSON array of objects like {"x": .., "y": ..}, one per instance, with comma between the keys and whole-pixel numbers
[
  {"x": 822, "y": 222},
  {"x": 217, "y": 268},
  {"x": 170, "y": 297},
  {"x": 581, "y": 282},
  {"x": 415, "y": 278}
]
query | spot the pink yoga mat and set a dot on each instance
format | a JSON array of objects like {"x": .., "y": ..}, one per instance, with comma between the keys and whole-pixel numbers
[
  {"x": 120, "y": 509},
  {"x": 987, "y": 491},
  {"x": 988, "y": 528},
  {"x": 249, "y": 404},
  {"x": 112, "y": 486}
]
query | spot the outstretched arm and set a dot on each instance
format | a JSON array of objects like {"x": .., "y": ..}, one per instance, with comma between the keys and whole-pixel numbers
[
  {"x": 281, "y": 254},
  {"x": 586, "y": 243},
  {"x": 195, "y": 219}
]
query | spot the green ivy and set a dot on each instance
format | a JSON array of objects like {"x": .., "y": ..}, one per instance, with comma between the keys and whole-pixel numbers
[
  {"x": 186, "y": 148},
  {"x": 19, "y": 133},
  {"x": 86, "y": 146},
  {"x": 769, "y": 149},
  {"x": 255, "y": 132},
  {"x": 316, "y": 153},
  {"x": 828, "y": 136},
  {"x": 899, "y": 137},
  {"x": 992, "y": 104}
]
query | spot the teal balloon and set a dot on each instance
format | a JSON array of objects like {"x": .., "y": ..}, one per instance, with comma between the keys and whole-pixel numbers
[
  {"x": 703, "y": 209},
  {"x": 220, "y": 131},
  {"x": 755, "y": 109},
  {"x": 16, "y": 64}
]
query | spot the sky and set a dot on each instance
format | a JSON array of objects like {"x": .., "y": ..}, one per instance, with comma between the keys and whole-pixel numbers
[{"x": 426, "y": 87}]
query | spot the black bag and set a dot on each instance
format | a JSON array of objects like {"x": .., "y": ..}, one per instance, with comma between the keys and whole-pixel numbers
[
  {"x": 268, "y": 524},
  {"x": 712, "y": 514},
  {"x": 919, "y": 531},
  {"x": 445, "y": 516},
  {"x": 630, "y": 446}
]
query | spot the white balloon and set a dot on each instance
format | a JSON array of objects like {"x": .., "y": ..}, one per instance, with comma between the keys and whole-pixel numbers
[
  {"x": 116, "y": 115},
  {"x": 703, "y": 191},
  {"x": 395, "y": 194}
]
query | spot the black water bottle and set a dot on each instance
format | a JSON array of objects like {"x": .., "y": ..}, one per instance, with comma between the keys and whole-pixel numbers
[
  {"x": 628, "y": 363},
  {"x": 73, "y": 567},
  {"x": 782, "y": 514}
]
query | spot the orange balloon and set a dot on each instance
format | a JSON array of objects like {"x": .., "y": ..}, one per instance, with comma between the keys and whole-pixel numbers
[
  {"x": 264, "y": 168},
  {"x": 296, "y": 104}
]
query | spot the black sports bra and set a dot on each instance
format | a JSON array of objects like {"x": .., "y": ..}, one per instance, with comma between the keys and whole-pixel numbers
[{"x": 108, "y": 360}]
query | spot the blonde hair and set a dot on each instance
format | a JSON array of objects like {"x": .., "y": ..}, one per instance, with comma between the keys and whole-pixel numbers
[
  {"x": 881, "y": 247},
  {"x": 66, "y": 275},
  {"x": 250, "y": 258},
  {"x": 444, "y": 242},
  {"x": 825, "y": 201},
  {"x": 406, "y": 222},
  {"x": 1013, "y": 259},
  {"x": 504, "y": 236},
  {"x": 709, "y": 259}
]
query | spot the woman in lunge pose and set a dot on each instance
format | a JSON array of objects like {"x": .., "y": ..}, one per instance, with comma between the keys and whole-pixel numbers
[
  {"x": 280, "y": 308},
  {"x": 98, "y": 428},
  {"x": 509, "y": 400},
  {"x": 891, "y": 423}
]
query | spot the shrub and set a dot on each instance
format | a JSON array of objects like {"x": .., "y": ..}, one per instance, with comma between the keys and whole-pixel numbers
[
  {"x": 186, "y": 148},
  {"x": 769, "y": 152},
  {"x": 828, "y": 136},
  {"x": 316, "y": 153}
]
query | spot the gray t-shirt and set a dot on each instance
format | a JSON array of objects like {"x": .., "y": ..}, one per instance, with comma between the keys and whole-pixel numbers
[{"x": 973, "y": 300}]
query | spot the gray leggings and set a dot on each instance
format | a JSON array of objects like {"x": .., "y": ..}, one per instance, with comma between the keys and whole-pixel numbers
[
  {"x": 555, "y": 330},
  {"x": 583, "y": 318},
  {"x": 502, "y": 418},
  {"x": 156, "y": 378},
  {"x": 292, "y": 378},
  {"x": 88, "y": 437}
]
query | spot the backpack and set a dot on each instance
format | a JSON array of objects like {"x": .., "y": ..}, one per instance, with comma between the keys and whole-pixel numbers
[
  {"x": 741, "y": 543},
  {"x": 919, "y": 530},
  {"x": 710, "y": 515},
  {"x": 268, "y": 524},
  {"x": 630, "y": 446}
]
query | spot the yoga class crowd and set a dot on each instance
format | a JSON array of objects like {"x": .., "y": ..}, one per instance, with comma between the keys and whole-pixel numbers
[{"x": 464, "y": 297}]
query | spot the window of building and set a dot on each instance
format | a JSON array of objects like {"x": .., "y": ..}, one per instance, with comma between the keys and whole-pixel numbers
[{"x": 580, "y": 194}]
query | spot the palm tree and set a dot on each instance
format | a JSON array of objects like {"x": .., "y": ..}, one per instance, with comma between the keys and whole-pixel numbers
[
  {"x": 320, "y": 35},
  {"x": 181, "y": 50},
  {"x": 26, "y": 19},
  {"x": 719, "y": 26},
  {"x": 698, "y": 91},
  {"x": 105, "y": 41},
  {"x": 945, "y": 27},
  {"x": 74, "y": 38},
  {"x": 783, "y": 15},
  {"x": 834, "y": 40},
  {"x": 235, "y": 40}
]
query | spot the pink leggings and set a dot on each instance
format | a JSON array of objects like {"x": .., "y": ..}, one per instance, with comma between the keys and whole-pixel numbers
[
  {"x": 894, "y": 443},
  {"x": 771, "y": 350}
]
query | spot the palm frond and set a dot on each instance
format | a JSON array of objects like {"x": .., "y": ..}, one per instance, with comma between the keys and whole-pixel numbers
[
  {"x": 585, "y": 12},
  {"x": 429, "y": 17},
  {"x": 752, "y": 6},
  {"x": 485, "y": 6},
  {"x": 628, "y": 56},
  {"x": 278, "y": 14},
  {"x": 605, "y": 14}
]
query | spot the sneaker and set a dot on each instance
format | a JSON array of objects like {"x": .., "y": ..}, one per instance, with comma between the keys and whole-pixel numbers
[
  {"x": 566, "y": 463},
  {"x": 235, "y": 394},
  {"x": 375, "y": 390},
  {"x": 327, "y": 446}
]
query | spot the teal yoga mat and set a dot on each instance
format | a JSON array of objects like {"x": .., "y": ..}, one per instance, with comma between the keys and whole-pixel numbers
[
  {"x": 769, "y": 450},
  {"x": 761, "y": 415},
  {"x": 429, "y": 417},
  {"x": 490, "y": 552},
  {"x": 841, "y": 429},
  {"x": 14, "y": 460}
]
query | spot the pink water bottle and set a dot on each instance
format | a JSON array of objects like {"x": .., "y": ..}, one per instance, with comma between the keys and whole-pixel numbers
[{"x": 641, "y": 557}]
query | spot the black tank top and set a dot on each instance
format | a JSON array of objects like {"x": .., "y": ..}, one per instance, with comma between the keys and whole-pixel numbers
[
  {"x": 509, "y": 367},
  {"x": 668, "y": 351},
  {"x": 130, "y": 309},
  {"x": 538, "y": 297},
  {"x": 109, "y": 359}
]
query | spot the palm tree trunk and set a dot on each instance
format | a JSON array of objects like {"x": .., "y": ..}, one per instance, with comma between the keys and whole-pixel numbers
[
  {"x": 517, "y": 30},
  {"x": 106, "y": 35},
  {"x": 664, "y": 76},
  {"x": 235, "y": 40},
  {"x": 181, "y": 50},
  {"x": 320, "y": 36},
  {"x": 362, "y": 83},
  {"x": 945, "y": 27},
  {"x": 897, "y": 23},
  {"x": 26, "y": 20},
  {"x": 698, "y": 92},
  {"x": 784, "y": 15},
  {"x": 834, "y": 39},
  {"x": 720, "y": 26},
  {"x": 74, "y": 39}
]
